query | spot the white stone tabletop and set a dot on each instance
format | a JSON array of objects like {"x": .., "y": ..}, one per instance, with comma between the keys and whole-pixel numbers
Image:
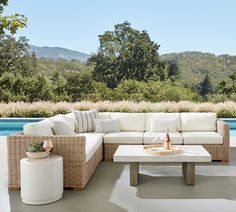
[{"x": 135, "y": 153}]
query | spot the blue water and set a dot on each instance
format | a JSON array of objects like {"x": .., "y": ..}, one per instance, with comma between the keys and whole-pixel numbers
[
  {"x": 232, "y": 126},
  {"x": 13, "y": 126}
]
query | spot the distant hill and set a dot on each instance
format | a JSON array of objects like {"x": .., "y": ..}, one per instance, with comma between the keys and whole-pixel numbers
[
  {"x": 194, "y": 66},
  {"x": 58, "y": 53}
]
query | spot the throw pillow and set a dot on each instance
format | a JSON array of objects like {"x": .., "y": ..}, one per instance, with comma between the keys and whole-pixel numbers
[
  {"x": 64, "y": 118},
  {"x": 84, "y": 120},
  {"x": 161, "y": 125},
  {"x": 107, "y": 125},
  {"x": 62, "y": 128}
]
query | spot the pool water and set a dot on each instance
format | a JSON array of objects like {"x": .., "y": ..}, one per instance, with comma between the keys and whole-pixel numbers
[
  {"x": 232, "y": 126},
  {"x": 13, "y": 126}
]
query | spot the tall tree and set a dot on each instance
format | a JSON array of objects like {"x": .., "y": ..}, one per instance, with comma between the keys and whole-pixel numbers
[
  {"x": 15, "y": 57},
  {"x": 126, "y": 53},
  {"x": 233, "y": 78},
  {"x": 205, "y": 86},
  {"x": 10, "y": 23},
  {"x": 172, "y": 69}
]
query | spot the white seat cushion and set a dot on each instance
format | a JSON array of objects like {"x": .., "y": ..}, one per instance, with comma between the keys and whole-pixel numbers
[
  {"x": 93, "y": 142},
  {"x": 130, "y": 121},
  {"x": 41, "y": 128},
  {"x": 198, "y": 122},
  {"x": 202, "y": 138},
  {"x": 175, "y": 137},
  {"x": 172, "y": 116},
  {"x": 123, "y": 138}
]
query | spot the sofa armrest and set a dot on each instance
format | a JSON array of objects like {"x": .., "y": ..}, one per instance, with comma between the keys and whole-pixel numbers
[
  {"x": 223, "y": 129},
  {"x": 71, "y": 148}
]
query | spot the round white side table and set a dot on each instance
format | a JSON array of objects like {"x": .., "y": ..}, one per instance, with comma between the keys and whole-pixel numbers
[{"x": 41, "y": 180}]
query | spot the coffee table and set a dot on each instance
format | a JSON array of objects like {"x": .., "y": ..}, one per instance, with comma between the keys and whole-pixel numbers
[{"x": 188, "y": 156}]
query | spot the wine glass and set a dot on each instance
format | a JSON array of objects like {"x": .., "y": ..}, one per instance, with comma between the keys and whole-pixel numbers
[
  {"x": 154, "y": 140},
  {"x": 47, "y": 145}
]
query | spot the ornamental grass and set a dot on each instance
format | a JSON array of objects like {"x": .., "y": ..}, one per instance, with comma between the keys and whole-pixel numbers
[{"x": 47, "y": 109}]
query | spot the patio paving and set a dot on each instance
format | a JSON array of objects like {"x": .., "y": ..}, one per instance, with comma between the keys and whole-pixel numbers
[{"x": 161, "y": 188}]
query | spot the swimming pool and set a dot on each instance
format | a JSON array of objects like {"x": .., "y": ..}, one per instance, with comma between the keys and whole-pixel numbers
[
  {"x": 13, "y": 126},
  {"x": 232, "y": 126}
]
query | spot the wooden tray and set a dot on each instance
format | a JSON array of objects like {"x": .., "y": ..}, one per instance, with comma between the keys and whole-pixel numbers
[{"x": 158, "y": 149}]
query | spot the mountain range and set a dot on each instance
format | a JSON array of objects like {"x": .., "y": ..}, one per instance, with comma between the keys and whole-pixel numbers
[{"x": 56, "y": 53}]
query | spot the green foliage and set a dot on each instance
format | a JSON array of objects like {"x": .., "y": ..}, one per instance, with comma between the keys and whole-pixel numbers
[
  {"x": 10, "y": 23},
  {"x": 38, "y": 147},
  {"x": 193, "y": 67},
  {"x": 172, "y": 70},
  {"x": 50, "y": 67},
  {"x": 79, "y": 84},
  {"x": 99, "y": 92},
  {"x": 153, "y": 91},
  {"x": 205, "y": 86},
  {"x": 15, "y": 57},
  {"x": 126, "y": 53}
]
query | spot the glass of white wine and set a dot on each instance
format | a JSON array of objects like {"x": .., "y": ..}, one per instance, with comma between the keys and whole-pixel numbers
[{"x": 47, "y": 145}]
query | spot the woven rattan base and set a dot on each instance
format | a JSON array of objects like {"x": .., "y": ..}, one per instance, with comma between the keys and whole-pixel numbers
[{"x": 77, "y": 172}]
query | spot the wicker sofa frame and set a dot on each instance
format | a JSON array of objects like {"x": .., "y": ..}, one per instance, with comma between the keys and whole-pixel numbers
[
  {"x": 219, "y": 152},
  {"x": 77, "y": 172}
]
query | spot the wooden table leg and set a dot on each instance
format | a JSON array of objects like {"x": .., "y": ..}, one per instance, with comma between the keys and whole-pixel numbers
[
  {"x": 188, "y": 169},
  {"x": 134, "y": 169}
]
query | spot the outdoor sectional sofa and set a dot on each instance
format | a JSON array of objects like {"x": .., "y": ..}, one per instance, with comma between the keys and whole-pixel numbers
[{"x": 83, "y": 152}]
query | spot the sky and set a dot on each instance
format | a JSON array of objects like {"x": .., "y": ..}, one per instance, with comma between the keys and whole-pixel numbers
[{"x": 176, "y": 25}]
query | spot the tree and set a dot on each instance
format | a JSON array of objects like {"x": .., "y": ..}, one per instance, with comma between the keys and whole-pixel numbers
[
  {"x": 10, "y": 23},
  {"x": 205, "y": 86},
  {"x": 172, "y": 70},
  {"x": 233, "y": 78},
  {"x": 78, "y": 84},
  {"x": 15, "y": 56},
  {"x": 59, "y": 84},
  {"x": 230, "y": 89},
  {"x": 126, "y": 53}
]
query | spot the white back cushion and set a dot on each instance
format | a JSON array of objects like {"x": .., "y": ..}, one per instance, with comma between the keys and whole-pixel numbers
[
  {"x": 163, "y": 125},
  {"x": 61, "y": 127},
  {"x": 71, "y": 117},
  {"x": 130, "y": 121},
  {"x": 39, "y": 128},
  {"x": 172, "y": 116},
  {"x": 68, "y": 118},
  {"x": 104, "y": 115},
  {"x": 191, "y": 122},
  {"x": 107, "y": 125}
]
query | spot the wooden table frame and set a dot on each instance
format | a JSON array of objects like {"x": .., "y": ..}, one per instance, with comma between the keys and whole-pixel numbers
[{"x": 188, "y": 170}]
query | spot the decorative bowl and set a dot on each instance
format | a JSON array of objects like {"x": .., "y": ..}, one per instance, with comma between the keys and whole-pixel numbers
[{"x": 37, "y": 155}]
